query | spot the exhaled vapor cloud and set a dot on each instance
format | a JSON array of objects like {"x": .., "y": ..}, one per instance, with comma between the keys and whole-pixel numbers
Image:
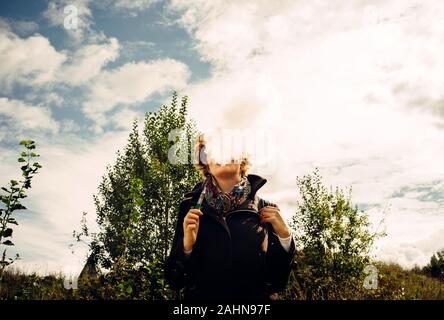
[{"x": 354, "y": 88}]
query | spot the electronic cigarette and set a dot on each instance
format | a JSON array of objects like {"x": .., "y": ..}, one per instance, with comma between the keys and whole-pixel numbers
[{"x": 201, "y": 197}]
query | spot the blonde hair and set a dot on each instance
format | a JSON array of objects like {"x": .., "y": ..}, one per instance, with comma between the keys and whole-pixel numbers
[{"x": 203, "y": 168}]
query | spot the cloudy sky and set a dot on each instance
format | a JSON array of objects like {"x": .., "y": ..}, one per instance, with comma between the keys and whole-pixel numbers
[{"x": 354, "y": 88}]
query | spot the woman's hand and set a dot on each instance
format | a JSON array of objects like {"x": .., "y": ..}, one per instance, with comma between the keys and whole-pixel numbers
[
  {"x": 273, "y": 215},
  {"x": 190, "y": 228}
]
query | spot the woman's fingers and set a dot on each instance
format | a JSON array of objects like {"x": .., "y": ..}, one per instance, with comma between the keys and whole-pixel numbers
[
  {"x": 192, "y": 217},
  {"x": 191, "y": 226},
  {"x": 190, "y": 221},
  {"x": 268, "y": 214},
  {"x": 269, "y": 219},
  {"x": 270, "y": 209},
  {"x": 195, "y": 211}
]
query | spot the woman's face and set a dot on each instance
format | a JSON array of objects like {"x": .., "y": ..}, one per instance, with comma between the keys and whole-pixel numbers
[
  {"x": 220, "y": 165},
  {"x": 218, "y": 170},
  {"x": 223, "y": 170}
]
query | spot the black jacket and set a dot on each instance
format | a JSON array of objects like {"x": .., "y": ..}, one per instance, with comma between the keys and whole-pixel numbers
[{"x": 233, "y": 258}]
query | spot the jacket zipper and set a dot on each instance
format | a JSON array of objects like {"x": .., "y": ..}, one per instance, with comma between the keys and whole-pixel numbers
[{"x": 237, "y": 210}]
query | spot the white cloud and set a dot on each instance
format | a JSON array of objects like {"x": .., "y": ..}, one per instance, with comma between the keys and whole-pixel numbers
[
  {"x": 413, "y": 238},
  {"x": 131, "y": 49},
  {"x": 133, "y": 83},
  {"x": 22, "y": 27},
  {"x": 123, "y": 119},
  {"x": 88, "y": 61},
  {"x": 70, "y": 126},
  {"x": 134, "y": 4},
  {"x": 22, "y": 117},
  {"x": 25, "y": 27},
  {"x": 56, "y": 16},
  {"x": 46, "y": 98},
  {"x": 32, "y": 60}
]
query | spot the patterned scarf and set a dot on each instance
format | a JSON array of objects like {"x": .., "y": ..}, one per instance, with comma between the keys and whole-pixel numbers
[{"x": 226, "y": 201}]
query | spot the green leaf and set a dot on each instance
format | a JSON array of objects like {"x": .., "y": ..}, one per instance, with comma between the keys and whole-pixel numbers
[
  {"x": 26, "y": 142},
  {"x": 129, "y": 289},
  {"x": 12, "y": 221},
  {"x": 7, "y": 233},
  {"x": 14, "y": 183},
  {"x": 8, "y": 243},
  {"x": 21, "y": 160},
  {"x": 18, "y": 206},
  {"x": 37, "y": 165}
]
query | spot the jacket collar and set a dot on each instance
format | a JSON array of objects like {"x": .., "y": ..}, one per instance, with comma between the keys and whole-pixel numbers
[{"x": 256, "y": 183}]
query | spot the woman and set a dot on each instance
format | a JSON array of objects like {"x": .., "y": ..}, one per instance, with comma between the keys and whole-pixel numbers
[{"x": 229, "y": 248}]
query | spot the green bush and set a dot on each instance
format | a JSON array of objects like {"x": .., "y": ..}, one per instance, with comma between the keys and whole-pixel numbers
[
  {"x": 333, "y": 243},
  {"x": 435, "y": 268}
]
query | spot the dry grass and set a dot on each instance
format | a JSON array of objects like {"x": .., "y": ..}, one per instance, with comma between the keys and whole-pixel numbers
[{"x": 394, "y": 283}]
